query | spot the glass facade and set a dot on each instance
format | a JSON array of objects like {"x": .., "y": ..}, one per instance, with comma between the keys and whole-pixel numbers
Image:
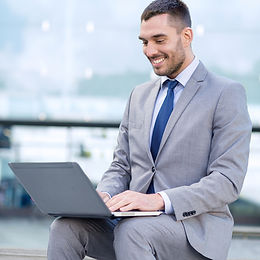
[{"x": 79, "y": 60}]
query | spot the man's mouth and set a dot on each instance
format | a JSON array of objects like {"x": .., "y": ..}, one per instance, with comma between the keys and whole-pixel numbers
[{"x": 157, "y": 61}]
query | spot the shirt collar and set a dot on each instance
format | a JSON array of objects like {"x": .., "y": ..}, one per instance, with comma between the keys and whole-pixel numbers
[{"x": 185, "y": 75}]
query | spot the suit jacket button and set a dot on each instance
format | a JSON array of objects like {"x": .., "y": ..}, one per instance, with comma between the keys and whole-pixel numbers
[{"x": 153, "y": 169}]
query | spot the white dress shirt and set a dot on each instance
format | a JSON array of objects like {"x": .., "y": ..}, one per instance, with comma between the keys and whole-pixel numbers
[{"x": 182, "y": 78}]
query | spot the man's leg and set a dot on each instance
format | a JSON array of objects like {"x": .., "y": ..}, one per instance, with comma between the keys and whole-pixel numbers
[
  {"x": 73, "y": 238},
  {"x": 150, "y": 238}
]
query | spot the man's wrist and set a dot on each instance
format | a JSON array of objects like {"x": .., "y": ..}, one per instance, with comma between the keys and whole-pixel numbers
[
  {"x": 107, "y": 194},
  {"x": 168, "y": 208},
  {"x": 161, "y": 204}
]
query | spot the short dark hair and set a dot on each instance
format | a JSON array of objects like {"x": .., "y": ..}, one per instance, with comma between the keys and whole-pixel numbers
[{"x": 177, "y": 9}]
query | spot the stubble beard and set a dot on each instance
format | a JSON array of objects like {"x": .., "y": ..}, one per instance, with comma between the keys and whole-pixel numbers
[{"x": 174, "y": 67}]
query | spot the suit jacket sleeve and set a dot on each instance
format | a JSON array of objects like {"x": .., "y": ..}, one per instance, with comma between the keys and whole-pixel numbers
[
  {"x": 116, "y": 179},
  {"x": 228, "y": 158}
]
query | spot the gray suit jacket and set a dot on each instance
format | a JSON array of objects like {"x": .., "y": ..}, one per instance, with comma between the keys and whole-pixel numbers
[{"x": 202, "y": 159}]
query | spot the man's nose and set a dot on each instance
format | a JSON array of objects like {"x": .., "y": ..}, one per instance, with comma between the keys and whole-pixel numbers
[{"x": 150, "y": 50}]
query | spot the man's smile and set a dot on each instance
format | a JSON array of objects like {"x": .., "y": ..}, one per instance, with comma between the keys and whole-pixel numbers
[{"x": 157, "y": 61}]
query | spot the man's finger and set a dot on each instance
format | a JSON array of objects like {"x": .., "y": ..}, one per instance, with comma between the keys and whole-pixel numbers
[
  {"x": 128, "y": 207},
  {"x": 118, "y": 198},
  {"x": 116, "y": 205}
]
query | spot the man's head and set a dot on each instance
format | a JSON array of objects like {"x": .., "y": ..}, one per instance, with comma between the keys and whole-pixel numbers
[
  {"x": 177, "y": 10},
  {"x": 167, "y": 35}
]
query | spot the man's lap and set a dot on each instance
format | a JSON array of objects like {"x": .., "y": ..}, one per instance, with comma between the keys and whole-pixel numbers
[{"x": 160, "y": 236}]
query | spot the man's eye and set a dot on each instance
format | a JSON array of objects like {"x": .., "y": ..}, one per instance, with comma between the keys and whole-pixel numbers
[
  {"x": 160, "y": 41},
  {"x": 144, "y": 43}
]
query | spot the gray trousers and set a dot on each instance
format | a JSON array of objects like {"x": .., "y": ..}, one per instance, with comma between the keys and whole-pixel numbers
[{"x": 145, "y": 238}]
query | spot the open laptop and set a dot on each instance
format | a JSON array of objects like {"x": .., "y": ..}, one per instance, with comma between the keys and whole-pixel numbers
[{"x": 63, "y": 189}]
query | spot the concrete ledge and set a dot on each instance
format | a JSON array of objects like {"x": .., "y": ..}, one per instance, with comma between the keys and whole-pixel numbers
[
  {"x": 25, "y": 254},
  {"x": 22, "y": 254},
  {"x": 246, "y": 231}
]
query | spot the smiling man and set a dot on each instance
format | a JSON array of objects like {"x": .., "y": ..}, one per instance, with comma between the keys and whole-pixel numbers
[{"x": 182, "y": 148}]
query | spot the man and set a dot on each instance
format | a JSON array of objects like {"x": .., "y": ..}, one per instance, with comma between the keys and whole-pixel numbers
[{"x": 183, "y": 148}]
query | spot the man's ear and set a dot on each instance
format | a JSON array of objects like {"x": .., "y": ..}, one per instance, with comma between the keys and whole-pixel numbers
[{"x": 187, "y": 36}]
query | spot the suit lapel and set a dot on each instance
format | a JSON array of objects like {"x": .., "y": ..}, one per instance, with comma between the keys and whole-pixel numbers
[
  {"x": 187, "y": 95},
  {"x": 149, "y": 107}
]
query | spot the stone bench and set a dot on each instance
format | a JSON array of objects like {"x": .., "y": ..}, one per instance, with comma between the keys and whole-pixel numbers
[{"x": 25, "y": 254}]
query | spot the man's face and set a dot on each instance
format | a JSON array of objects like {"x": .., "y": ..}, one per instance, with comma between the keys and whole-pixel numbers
[{"x": 162, "y": 45}]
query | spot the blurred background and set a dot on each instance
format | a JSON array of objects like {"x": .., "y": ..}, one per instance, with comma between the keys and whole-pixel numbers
[{"x": 66, "y": 70}]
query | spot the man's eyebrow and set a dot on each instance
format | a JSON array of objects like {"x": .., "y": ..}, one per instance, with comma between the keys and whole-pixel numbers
[
  {"x": 141, "y": 38},
  {"x": 159, "y": 35},
  {"x": 154, "y": 36}
]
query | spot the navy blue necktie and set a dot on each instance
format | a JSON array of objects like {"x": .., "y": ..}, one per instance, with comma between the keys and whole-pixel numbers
[{"x": 161, "y": 122}]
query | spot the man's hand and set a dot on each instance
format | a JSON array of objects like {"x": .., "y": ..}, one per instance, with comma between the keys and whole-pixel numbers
[
  {"x": 104, "y": 196},
  {"x": 131, "y": 200}
]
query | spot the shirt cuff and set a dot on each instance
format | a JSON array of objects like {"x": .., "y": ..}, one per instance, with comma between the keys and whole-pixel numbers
[{"x": 167, "y": 203}]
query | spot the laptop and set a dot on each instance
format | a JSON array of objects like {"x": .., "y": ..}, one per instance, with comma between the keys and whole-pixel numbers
[{"x": 63, "y": 189}]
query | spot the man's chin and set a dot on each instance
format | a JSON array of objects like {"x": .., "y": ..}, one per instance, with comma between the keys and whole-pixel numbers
[
  {"x": 168, "y": 73},
  {"x": 158, "y": 72}
]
